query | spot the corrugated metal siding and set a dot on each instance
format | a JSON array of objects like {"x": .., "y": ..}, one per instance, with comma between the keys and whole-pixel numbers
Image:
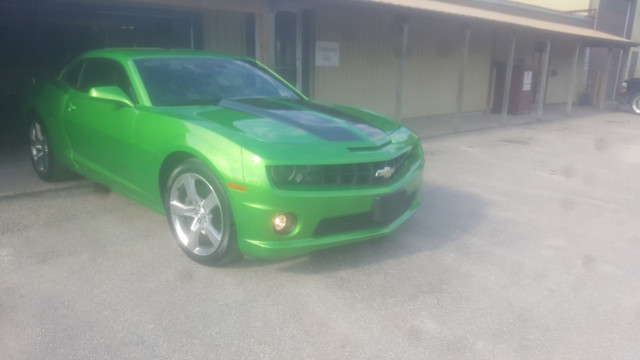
[
  {"x": 433, "y": 68},
  {"x": 633, "y": 68},
  {"x": 368, "y": 72},
  {"x": 225, "y": 32},
  {"x": 433, "y": 64},
  {"x": 524, "y": 47},
  {"x": 477, "y": 81},
  {"x": 366, "y": 76},
  {"x": 560, "y": 63},
  {"x": 564, "y": 5},
  {"x": 560, "y": 67}
]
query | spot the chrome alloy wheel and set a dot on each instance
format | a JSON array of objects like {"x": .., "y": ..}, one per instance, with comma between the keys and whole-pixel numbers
[
  {"x": 196, "y": 214},
  {"x": 39, "y": 147},
  {"x": 635, "y": 104}
]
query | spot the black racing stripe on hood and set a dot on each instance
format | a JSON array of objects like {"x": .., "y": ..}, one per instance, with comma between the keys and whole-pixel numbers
[
  {"x": 366, "y": 127},
  {"x": 315, "y": 119}
]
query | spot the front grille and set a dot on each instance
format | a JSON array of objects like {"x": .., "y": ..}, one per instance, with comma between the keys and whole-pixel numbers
[
  {"x": 361, "y": 174},
  {"x": 349, "y": 223}
]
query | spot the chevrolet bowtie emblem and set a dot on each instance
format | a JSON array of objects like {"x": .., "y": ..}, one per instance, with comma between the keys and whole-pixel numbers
[{"x": 386, "y": 172}]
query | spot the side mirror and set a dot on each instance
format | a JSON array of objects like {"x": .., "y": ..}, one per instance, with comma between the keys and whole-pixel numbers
[{"x": 112, "y": 93}]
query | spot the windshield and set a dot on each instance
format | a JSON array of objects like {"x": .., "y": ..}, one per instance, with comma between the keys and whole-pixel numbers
[{"x": 206, "y": 81}]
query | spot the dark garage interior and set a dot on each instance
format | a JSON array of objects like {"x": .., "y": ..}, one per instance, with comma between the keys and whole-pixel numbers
[{"x": 39, "y": 37}]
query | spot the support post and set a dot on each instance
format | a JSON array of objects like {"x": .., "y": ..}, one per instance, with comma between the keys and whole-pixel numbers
[
  {"x": 492, "y": 75},
  {"x": 404, "y": 24},
  {"x": 623, "y": 62},
  {"x": 507, "y": 80},
  {"x": 463, "y": 66},
  {"x": 605, "y": 81},
  {"x": 544, "y": 75},
  {"x": 574, "y": 76}
]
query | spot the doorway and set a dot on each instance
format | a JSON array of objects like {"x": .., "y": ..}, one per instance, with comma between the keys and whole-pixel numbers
[{"x": 292, "y": 38}]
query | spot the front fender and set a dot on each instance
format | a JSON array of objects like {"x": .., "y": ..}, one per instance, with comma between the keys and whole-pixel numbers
[{"x": 222, "y": 156}]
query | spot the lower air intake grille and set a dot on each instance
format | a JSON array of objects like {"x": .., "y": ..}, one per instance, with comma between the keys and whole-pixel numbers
[{"x": 349, "y": 223}]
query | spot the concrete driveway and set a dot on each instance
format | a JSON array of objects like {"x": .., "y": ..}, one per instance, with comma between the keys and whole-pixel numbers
[{"x": 527, "y": 246}]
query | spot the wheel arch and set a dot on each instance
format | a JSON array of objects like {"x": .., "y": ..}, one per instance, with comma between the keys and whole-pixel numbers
[
  {"x": 169, "y": 163},
  {"x": 221, "y": 155},
  {"x": 175, "y": 158}
]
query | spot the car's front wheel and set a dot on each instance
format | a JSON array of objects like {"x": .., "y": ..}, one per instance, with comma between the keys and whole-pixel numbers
[
  {"x": 43, "y": 158},
  {"x": 199, "y": 214},
  {"x": 635, "y": 103}
]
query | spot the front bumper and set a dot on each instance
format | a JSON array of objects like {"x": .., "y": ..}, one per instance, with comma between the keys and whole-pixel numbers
[
  {"x": 622, "y": 98},
  {"x": 295, "y": 247},
  {"x": 325, "y": 218}
]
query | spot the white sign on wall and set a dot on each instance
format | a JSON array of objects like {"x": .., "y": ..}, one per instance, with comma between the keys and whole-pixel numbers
[
  {"x": 327, "y": 53},
  {"x": 526, "y": 83}
]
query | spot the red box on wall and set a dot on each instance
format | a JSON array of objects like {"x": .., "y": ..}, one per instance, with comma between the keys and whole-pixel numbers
[{"x": 522, "y": 89}]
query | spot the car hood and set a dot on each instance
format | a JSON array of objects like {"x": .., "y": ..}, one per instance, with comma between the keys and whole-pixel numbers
[{"x": 294, "y": 121}]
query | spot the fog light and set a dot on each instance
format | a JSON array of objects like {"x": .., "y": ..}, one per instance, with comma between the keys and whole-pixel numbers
[{"x": 284, "y": 224}]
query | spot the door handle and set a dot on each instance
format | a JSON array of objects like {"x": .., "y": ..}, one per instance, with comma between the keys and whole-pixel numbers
[{"x": 71, "y": 107}]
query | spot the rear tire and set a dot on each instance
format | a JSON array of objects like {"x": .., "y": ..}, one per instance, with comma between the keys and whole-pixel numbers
[
  {"x": 199, "y": 214},
  {"x": 43, "y": 157}
]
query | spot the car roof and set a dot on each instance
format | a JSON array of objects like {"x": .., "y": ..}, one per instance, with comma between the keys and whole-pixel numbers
[{"x": 125, "y": 54}]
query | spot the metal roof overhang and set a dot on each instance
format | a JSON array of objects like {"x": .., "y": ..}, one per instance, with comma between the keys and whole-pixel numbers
[{"x": 588, "y": 36}]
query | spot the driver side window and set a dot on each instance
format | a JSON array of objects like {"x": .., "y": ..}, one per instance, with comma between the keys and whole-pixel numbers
[
  {"x": 71, "y": 75},
  {"x": 105, "y": 72}
]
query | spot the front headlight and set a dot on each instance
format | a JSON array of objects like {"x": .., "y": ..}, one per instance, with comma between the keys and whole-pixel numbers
[{"x": 283, "y": 175}]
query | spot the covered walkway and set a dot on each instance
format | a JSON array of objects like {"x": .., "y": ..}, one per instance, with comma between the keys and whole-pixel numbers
[{"x": 444, "y": 125}]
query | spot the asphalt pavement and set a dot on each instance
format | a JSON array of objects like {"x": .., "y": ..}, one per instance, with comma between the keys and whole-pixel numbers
[{"x": 526, "y": 247}]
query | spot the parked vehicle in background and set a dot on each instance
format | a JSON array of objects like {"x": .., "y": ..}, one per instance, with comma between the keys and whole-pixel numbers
[
  {"x": 629, "y": 95},
  {"x": 238, "y": 160}
]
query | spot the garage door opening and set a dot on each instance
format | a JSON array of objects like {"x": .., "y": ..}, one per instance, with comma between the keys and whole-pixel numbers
[{"x": 39, "y": 39}]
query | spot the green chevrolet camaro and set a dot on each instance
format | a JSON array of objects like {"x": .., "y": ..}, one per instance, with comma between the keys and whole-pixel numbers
[{"x": 238, "y": 160}]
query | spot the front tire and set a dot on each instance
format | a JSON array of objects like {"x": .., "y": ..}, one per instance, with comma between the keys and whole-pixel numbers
[
  {"x": 43, "y": 158},
  {"x": 635, "y": 103},
  {"x": 199, "y": 214}
]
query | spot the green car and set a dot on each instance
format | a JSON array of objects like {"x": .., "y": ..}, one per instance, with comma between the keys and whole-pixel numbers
[{"x": 238, "y": 160}]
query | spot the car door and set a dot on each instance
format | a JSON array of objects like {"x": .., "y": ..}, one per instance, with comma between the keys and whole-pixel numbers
[{"x": 99, "y": 130}]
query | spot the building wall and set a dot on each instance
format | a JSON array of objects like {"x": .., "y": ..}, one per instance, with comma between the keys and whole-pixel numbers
[
  {"x": 633, "y": 64},
  {"x": 433, "y": 67},
  {"x": 560, "y": 62},
  {"x": 560, "y": 71},
  {"x": 225, "y": 31},
  {"x": 369, "y": 70},
  {"x": 366, "y": 75},
  {"x": 434, "y": 64},
  {"x": 614, "y": 17}
]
